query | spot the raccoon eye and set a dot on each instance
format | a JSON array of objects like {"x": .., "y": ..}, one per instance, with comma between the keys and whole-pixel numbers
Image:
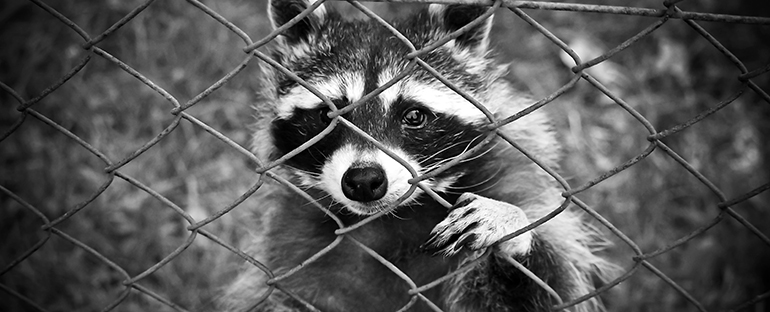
[
  {"x": 323, "y": 114},
  {"x": 414, "y": 119}
]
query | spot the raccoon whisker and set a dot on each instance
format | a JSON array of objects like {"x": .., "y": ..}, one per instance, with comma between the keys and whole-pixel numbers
[
  {"x": 446, "y": 160},
  {"x": 423, "y": 159},
  {"x": 467, "y": 147},
  {"x": 458, "y": 190},
  {"x": 323, "y": 157},
  {"x": 490, "y": 186},
  {"x": 307, "y": 179},
  {"x": 318, "y": 201},
  {"x": 437, "y": 165},
  {"x": 470, "y": 144},
  {"x": 491, "y": 177},
  {"x": 299, "y": 170},
  {"x": 480, "y": 154},
  {"x": 465, "y": 150},
  {"x": 394, "y": 212}
]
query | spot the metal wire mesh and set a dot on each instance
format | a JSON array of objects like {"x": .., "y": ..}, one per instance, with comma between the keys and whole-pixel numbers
[{"x": 132, "y": 283}]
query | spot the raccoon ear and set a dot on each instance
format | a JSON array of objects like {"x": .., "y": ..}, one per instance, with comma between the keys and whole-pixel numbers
[
  {"x": 281, "y": 12},
  {"x": 454, "y": 17}
]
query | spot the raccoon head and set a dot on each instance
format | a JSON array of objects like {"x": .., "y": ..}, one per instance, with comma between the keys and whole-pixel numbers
[{"x": 419, "y": 120}]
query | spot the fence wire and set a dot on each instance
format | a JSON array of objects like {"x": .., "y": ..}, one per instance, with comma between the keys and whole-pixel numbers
[{"x": 130, "y": 283}]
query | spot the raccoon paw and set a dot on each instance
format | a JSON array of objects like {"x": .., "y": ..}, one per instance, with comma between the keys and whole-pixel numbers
[{"x": 478, "y": 222}]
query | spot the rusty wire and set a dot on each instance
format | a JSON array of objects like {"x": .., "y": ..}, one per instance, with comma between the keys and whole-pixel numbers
[{"x": 112, "y": 170}]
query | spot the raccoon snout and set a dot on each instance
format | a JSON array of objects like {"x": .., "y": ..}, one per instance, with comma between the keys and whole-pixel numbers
[{"x": 364, "y": 184}]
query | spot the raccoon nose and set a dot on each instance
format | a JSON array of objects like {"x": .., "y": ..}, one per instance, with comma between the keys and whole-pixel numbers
[{"x": 364, "y": 184}]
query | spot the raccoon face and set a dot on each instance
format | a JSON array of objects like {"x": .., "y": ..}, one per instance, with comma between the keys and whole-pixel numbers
[{"x": 421, "y": 122}]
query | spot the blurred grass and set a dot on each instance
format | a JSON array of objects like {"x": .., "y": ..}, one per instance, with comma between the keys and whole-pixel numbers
[{"x": 669, "y": 77}]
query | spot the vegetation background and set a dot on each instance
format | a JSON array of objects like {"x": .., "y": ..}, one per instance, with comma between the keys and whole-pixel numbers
[{"x": 669, "y": 76}]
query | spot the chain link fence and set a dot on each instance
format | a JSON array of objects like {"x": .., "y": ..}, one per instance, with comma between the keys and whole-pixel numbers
[{"x": 48, "y": 230}]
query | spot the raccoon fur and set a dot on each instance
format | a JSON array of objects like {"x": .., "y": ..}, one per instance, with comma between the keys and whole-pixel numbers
[{"x": 495, "y": 191}]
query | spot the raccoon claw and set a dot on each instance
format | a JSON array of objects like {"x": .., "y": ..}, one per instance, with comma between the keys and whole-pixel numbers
[
  {"x": 452, "y": 244},
  {"x": 476, "y": 223}
]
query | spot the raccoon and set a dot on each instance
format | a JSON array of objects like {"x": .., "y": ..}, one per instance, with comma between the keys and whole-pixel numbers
[{"x": 412, "y": 128}]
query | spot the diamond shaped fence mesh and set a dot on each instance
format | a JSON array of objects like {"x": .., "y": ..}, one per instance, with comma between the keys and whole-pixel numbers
[{"x": 125, "y": 184}]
